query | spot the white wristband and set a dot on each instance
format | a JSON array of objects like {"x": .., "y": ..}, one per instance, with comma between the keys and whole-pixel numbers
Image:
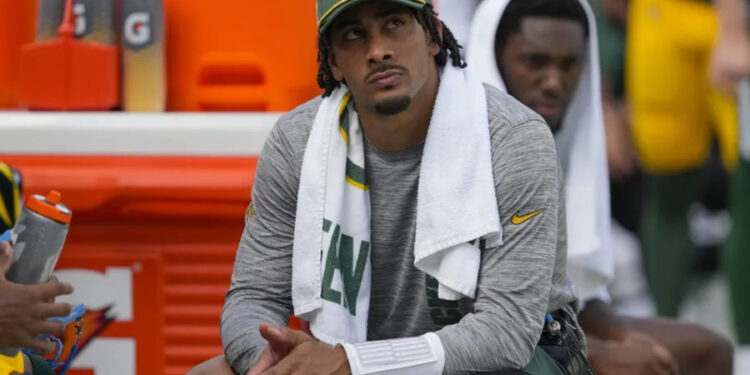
[{"x": 421, "y": 355}]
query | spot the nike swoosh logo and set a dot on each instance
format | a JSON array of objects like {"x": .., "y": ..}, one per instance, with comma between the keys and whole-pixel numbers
[{"x": 518, "y": 220}]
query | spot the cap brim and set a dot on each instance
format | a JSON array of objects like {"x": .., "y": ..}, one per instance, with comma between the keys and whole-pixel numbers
[{"x": 341, "y": 7}]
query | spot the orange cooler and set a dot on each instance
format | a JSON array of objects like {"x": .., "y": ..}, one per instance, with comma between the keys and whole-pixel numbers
[
  {"x": 152, "y": 248},
  {"x": 239, "y": 55},
  {"x": 17, "y": 19}
]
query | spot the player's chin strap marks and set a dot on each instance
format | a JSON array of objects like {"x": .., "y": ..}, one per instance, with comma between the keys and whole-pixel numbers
[{"x": 406, "y": 356}]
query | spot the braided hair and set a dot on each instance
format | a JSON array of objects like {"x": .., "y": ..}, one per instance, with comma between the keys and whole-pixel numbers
[{"x": 426, "y": 16}]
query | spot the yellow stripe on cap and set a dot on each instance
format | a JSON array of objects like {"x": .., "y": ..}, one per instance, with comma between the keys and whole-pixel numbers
[
  {"x": 342, "y": 2},
  {"x": 331, "y": 9}
]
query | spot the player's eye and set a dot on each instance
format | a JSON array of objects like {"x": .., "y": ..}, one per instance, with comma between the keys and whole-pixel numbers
[
  {"x": 535, "y": 61},
  {"x": 394, "y": 22},
  {"x": 571, "y": 63},
  {"x": 353, "y": 34}
]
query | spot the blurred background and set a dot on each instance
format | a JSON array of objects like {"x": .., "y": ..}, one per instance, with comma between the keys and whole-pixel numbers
[{"x": 148, "y": 117}]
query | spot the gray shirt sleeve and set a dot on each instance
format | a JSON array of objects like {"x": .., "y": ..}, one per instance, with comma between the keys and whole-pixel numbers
[
  {"x": 516, "y": 285},
  {"x": 515, "y": 278},
  {"x": 261, "y": 289}
]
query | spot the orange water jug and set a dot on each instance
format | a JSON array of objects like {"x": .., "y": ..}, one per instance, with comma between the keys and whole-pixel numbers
[{"x": 69, "y": 74}]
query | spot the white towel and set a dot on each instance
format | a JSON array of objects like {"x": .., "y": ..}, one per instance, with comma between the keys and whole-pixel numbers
[
  {"x": 743, "y": 100},
  {"x": 456, "y": 208},
  {"x": 580, "y": 146}
]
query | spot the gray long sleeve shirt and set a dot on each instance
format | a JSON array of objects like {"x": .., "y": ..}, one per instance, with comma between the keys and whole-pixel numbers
[{"x": 519, "y": 281}]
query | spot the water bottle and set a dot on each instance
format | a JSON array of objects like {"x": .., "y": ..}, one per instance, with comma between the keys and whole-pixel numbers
[{"x": 38, "y": 238}]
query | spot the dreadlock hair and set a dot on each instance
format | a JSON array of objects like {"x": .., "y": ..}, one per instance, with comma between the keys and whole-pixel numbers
[
  {"x": 517, "y": 10},
  {"x": 426, "y": 16}
]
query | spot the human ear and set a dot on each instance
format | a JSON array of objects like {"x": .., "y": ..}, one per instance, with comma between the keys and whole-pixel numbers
[{"x": 337, "y": 73}]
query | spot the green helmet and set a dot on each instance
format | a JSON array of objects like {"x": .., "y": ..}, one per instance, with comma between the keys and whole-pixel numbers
[{"x": 328, "y": 10}]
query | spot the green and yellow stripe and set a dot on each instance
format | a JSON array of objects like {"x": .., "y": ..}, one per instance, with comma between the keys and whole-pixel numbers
[
  {"x": 355, "y": 175},
  {"x": 344, "y": 117}
]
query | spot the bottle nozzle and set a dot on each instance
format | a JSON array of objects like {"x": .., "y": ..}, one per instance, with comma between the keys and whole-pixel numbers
[{"x": 54, "y": 197}]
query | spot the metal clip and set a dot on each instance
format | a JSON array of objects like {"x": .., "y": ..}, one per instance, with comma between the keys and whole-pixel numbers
[
  {"x": 79, "y": 328},
  {"x": 554, "y": 326}
]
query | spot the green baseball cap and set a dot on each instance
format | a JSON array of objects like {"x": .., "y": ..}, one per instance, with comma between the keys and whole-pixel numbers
[{"x": 328, "y": 10}]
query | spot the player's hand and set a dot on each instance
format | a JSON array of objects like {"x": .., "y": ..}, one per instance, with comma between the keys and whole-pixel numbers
[
  {"x": 637, "y": 354},
  {"x": 294, "y": 352},
  {"x": 279, "y": 345},
  {"x": 730, "y": 61},
  {"x": 25, "y": 309}
]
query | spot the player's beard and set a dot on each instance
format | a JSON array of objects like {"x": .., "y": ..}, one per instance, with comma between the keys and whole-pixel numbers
[{"x": 393, "y": 106}]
